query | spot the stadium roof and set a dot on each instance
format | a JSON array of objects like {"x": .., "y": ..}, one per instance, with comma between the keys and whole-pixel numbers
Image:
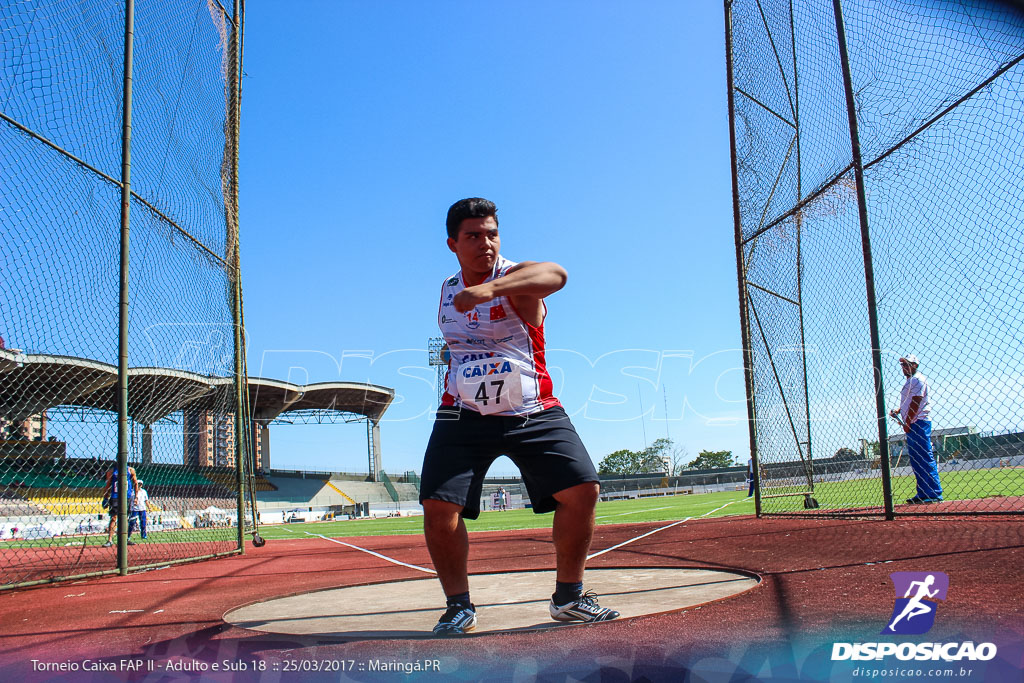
[
  {"x": 270, "y": 398},
  {"x": 32, "y": 383}
]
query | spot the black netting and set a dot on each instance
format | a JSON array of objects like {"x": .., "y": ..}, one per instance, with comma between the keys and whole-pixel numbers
[
  {"x": 61, "y": 99},
  {"x": 937, "y": 95}
]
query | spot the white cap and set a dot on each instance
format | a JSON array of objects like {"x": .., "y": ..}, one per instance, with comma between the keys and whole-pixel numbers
[
  {"x": 910, "y": 358},
  {"x": 139, "y": 481}
]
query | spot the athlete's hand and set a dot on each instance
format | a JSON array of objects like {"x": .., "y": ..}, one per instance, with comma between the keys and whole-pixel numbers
[
  {"x": 894, "y": 412},
  {"x": 471, "y": 297}
]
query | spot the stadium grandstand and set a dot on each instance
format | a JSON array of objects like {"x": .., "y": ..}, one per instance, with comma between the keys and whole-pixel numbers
[{"x": 48, "y": 488}]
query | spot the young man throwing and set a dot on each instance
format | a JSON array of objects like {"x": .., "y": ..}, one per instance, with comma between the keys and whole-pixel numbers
[{"x": 498, "y": 401}]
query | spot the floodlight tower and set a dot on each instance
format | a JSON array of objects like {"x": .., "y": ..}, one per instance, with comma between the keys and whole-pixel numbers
[{"x": 437, "y": 356}]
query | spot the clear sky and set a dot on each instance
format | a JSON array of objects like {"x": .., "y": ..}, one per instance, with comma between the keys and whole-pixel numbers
[{"x": 600, "y": 130}]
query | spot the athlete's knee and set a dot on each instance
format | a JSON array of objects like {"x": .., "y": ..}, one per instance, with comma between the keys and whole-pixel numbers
[
  {"x": 440, "y": 516},
  {"x": 582, "y": 495}
]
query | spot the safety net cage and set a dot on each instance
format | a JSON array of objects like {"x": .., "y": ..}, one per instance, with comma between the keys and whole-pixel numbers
[
  {"x": 119, "y": 231},
  {"x": 878, "y": 152}
]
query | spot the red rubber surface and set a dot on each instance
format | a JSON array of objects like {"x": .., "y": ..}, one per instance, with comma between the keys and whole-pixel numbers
[{"x": 820, "y": 578}]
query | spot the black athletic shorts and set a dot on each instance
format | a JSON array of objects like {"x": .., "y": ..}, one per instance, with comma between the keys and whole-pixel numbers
[{"x": 464, "y": 443}]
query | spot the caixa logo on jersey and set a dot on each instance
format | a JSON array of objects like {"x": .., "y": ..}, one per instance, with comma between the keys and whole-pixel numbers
[
  {"x": 916, "y": 605},
  {"x": 499, "y": 368}
]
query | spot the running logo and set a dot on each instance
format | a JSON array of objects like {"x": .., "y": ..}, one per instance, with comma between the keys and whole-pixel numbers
[{"x": 916, "y": 596}]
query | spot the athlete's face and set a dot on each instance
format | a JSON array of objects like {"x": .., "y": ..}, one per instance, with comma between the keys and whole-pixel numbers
[{"x": 477, "y": 246}]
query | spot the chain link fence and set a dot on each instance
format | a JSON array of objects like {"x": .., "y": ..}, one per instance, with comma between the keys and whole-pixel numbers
[
  {"x": 77, "y": 140},
  {"x": 877, "y": 158}
]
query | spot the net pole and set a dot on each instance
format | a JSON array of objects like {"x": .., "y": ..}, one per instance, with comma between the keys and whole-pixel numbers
[
  {"x": 236, "y": 273},
  {"x": 869, "y": 275},
  {"x": 741, "y": 277},
  {"x": 123, "y": 312},
  {"x": 799, "y": 242}
]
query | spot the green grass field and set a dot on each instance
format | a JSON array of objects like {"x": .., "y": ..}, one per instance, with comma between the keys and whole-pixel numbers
[
  {"x": 965, "y": 485},
  {"x": 654, "y": 509},
  {"x": 867, "y": 492}
]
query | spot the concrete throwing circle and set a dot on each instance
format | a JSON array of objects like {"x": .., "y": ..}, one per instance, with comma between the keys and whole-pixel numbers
[{"x": 512, "y": 601}]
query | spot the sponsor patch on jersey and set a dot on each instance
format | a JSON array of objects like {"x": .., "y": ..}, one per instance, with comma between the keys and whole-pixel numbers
[
  {"x": 454, "y": 281},
  {"x": 498, "y": 313}
]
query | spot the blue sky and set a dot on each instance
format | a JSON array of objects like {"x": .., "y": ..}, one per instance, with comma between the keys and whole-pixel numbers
[{"x": 601, "y": 132}]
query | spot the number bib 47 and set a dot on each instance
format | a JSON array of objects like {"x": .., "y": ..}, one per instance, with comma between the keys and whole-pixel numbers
[{"x": 491, "y": 385}]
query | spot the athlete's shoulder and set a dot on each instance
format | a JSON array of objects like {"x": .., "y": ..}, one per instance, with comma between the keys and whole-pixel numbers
[
  {"x": 503, "y": 265},
  {"x": 452, "y": 280}
]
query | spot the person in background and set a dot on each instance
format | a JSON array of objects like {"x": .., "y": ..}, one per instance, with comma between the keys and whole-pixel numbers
[
  {"x": 113, "y": 504},
  {"x": 139, "y": 508},
  {"x": 915, "y": 415}
]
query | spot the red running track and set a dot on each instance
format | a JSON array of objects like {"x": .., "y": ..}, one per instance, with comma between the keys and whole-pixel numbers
[{"x": 822, "y": 580}]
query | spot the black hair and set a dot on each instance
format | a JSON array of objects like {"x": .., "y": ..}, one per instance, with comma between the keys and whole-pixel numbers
[{"x": 472, "y": 207}]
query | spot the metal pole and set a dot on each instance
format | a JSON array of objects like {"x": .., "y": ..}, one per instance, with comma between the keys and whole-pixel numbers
[
  {"x": 241, "y": 431},
  {"x": 869, "y": 273},
  {"x": 799, "y": 242},
  {"x": 123, "y": 312},
  {"x": 741, "y": 276}
]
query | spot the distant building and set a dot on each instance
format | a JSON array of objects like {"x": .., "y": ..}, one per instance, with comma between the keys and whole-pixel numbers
[
  {"x": 209, "y": 439},
  {"x": 940, "y": 437},
  {"x": 32, "y": 428}
]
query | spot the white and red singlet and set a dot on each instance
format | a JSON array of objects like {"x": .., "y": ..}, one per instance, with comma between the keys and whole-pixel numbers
[{"x": 497, "y": 364}]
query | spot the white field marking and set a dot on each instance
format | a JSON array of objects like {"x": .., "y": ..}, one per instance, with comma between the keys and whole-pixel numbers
[
  {"x": 125, "y": 611},
  {"x": 74, "y": 595},
  {"x": 667, "y": 526},
  {"x": 383, "y": 557},
  {"x": 634, "y": 512},
  {"x": 158, "y": 611}
]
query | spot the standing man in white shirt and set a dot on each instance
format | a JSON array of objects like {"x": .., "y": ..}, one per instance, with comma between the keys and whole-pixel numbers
[
  {"x": 139, "y": 507},
  {"x": 915, "y": 413}
]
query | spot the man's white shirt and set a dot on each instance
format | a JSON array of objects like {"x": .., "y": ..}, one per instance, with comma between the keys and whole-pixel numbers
[{"x": 916, "y": 385}]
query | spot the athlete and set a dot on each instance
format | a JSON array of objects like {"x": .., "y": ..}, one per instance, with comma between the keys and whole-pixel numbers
[
  {"x": 498, "y": 401},
  {"x": 114, "y": 504}
]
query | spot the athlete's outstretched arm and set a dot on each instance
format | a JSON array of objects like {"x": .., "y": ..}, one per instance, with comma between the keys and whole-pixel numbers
[{"x": 524, "y": 281}]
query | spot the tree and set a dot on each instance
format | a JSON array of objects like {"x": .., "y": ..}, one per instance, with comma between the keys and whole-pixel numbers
[
  {"x": 657, "y": 456},
  {"x": 846, "y": 454},
  {"x": 711, "y": 460},
  {"x": 650, "y": 459},
  {"x": 619, "y": 462},
  {"x": 676, "y": 458}
]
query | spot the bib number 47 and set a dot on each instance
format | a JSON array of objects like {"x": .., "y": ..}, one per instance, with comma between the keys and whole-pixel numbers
[
  {"x": 491, "y": 385},
  {"x": 481, "y": 393}
]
